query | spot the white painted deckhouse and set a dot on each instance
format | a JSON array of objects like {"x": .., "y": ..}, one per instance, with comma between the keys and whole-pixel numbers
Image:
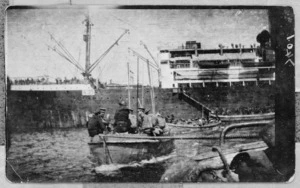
[{"x": 192, "y": 66}]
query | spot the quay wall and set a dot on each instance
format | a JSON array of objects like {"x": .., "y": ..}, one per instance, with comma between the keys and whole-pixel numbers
[
  {"x": 60, "y": 109},
  {"x": 237, "y": 100}
]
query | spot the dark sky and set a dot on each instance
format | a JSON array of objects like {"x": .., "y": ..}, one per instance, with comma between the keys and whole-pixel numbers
[{"x": 27, "y": 37}]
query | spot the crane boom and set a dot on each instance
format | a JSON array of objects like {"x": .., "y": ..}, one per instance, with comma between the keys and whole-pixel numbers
[
  {"x": 93, "y": 66},
  {"x": 159, "y": 71},
  {"x": 64, "y": 56},
  {"x": 66, "y": 52},
  {"x": 143, "y": 58},
  {"x": 145, "y": 46}
]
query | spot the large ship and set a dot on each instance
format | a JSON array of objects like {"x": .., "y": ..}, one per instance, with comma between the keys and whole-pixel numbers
[{"x": 216, "y": 77}]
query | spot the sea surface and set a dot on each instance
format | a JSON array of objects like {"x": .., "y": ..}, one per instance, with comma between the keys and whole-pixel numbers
[{"x": 63, "y": 155}]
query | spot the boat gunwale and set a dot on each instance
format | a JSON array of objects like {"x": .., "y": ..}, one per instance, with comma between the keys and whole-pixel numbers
[
  {"x": 248, "y": 117},
  {"x": 195, "y": 127},
  {"x": 125, "y": 142}
]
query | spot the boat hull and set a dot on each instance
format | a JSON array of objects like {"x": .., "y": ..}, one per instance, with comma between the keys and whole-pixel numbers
[
  {"x": 180, "y": 129},
  {"x": 126, "y": 150},
  {"x": 243, "y": 118}
]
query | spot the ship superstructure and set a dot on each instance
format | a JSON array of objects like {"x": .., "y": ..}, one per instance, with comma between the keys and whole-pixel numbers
[{"x": 192, "y": 66}]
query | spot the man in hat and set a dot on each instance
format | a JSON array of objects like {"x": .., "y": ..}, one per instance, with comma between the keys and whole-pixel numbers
[
  {"x": 102, "y": 118},
  {"x": 149, "y": 123},
  {"x": 122, "y": 123},
  {"x": 132, "y": 118},
  {"x": 141, "y": 111},
  {"x": 95, "y": 124}
]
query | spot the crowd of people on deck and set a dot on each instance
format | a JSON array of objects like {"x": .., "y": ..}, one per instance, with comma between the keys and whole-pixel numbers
[
  {"x": 45, "y": 80},
  {"x": 198, "y": 121},
  {"x": 245, "y": 110}
]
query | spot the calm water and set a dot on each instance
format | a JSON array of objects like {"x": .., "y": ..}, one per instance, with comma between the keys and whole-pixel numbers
[{"x": 64, "y": 156}]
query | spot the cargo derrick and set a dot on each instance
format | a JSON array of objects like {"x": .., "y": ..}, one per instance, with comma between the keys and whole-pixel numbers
[{"x": 63, "y": 52}]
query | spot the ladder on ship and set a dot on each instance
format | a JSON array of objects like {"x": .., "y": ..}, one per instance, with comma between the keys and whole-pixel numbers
[{"x": 193, "y": 102}]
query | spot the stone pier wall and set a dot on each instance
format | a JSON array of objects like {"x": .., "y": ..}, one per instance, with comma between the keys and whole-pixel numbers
[{"x": 60, "y": 109}]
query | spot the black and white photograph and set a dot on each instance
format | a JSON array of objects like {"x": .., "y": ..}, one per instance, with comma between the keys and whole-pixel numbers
[{"x": 150, "y": 94}]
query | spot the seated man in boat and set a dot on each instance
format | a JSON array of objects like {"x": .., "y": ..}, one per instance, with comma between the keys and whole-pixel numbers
[
  {"x": 133, "y": 121},
  {"x": 95, "y": 124},
  {"x": 122, "y": 123},
  {"x": 141, "y": 110},
  {"x": 104, "y": 120},
  {"x": 150, "y": 124},
  {"x": 258, "y": 166}
]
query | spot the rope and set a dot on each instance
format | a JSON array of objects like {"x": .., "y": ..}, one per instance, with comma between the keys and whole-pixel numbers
[
  {"x": 67, "y": 53},
  {"x": 14, "y": 170},
  {"x": 62, "y": 55}
]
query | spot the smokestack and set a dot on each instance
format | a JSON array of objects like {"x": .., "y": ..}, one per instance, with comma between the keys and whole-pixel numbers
[{"x": 263, "y": 38}]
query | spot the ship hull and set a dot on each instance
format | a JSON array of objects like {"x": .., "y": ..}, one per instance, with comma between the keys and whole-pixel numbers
[
  {"x": 252, "y": 117},
  {"x": 180, "y": 129}
]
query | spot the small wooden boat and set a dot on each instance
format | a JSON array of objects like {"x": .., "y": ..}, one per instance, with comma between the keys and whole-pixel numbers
[
  {"x": 179, "y": 129},
  {"x": 130, "y": 148},
  {"x": 127, "y": 148},
  {"x": 241, "y": 118}
]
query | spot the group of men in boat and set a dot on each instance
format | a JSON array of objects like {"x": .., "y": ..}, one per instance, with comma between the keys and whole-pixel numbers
[{"x": 126, "y": 122}]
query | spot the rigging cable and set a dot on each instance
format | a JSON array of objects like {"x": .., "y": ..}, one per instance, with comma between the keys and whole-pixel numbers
[
  {"x": 62, "y": 55},
  {"x": 70, "y": 57}
]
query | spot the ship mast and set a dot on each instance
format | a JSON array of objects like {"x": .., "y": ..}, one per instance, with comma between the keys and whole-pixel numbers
[
  {"x": 87, "y": 39},
  {"x": 152, "y": 94},
  {"x": 86, "y": 72}
]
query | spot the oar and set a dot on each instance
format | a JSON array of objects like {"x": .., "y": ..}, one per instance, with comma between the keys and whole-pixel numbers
[{"x": 107, "y": 153}]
